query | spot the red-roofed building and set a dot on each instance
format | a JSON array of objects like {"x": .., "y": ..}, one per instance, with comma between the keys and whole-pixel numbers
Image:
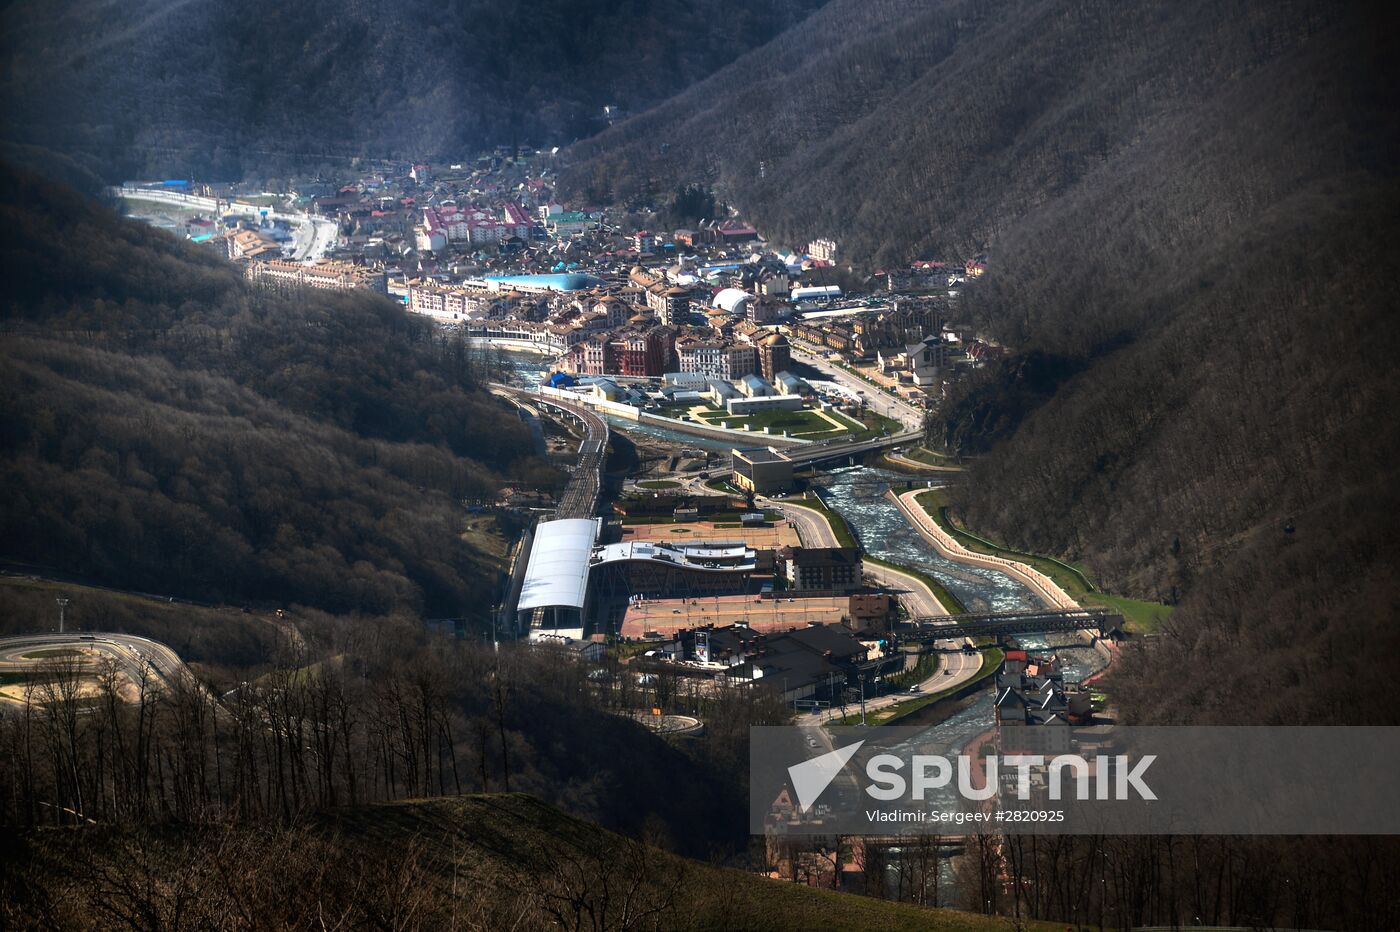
[
  {"x": 980, "y": 352},
  {"x": 732, "y": 231},
  {"x": 515, "y": 216}
]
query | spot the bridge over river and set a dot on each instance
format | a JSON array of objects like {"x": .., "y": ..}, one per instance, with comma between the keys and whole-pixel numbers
[
  {"x": 834, "y": 450},
  {"x": 1101, "y": 621}
]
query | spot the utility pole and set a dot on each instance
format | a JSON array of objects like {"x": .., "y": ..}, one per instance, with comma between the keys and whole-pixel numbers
[
  {"x": 861, "y": 677},
  {"x": 62, "y": 605}
]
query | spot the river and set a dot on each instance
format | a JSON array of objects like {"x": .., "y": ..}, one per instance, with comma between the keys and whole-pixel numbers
[{"x": 858, "y": 493}]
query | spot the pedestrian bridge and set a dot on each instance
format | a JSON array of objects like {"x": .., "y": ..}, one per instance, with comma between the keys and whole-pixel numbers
[{"x": 1101, "y": 621}]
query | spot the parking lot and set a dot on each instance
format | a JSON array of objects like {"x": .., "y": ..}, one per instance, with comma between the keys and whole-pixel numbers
[
  {"x": 666, "y": 616},
  {"x": 765, "y": 538}
]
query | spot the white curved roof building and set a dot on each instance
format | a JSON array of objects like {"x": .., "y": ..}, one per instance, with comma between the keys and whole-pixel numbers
[
  {"x": 555, "y": 588},
  {"x": 731, "y": 300},
  {"x": 707, "y": 557}
]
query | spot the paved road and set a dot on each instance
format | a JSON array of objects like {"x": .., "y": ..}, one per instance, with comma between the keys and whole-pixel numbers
[
  {"x": 130, "y": 652},
  {"x": 955, "y": 668},
  {"x": 530, "y": 415},
  {"x": 829, "y": 450},
  {"x": 905, "y": 461},
  {"x": 812, "y": 526},
  {"x": 917, "y": 599},
  {"x": 323, "y": 236},
  {"x": 880, "y": 402}
]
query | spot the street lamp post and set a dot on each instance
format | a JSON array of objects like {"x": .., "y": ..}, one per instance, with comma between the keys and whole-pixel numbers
[
  {"x": 62, "y": 606},
  {"x": 861, "y": 677}
]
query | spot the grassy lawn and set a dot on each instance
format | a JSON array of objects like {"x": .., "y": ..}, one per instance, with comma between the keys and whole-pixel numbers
[
  {"x": 308, "y": 673},
  {"x": 52, "y": 652},
  {"x": 1139, "y": 616},
  {"x": 851, "y": 423},
  {"x": 725, "y": 486},
  {"x": 873, "y": 425},
  {"x": 991, "y": 660},
  {"x": 926, "y": 666},
  {"x": 658, "y": 484},
  {"x": 484, "y": 533},
  {"x": 945, "y": 598},
  {"x": 927, "y": 457},
  {"x": 797, "y": 423}
]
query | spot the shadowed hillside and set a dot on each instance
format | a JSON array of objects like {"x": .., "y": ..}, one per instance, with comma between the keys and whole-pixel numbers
[
  {"x": 167, "y": 428},
  {"x": 475, "y": 862},
  {"x": 172, "y": 85},
  {"x": 1189, "y": 210}
]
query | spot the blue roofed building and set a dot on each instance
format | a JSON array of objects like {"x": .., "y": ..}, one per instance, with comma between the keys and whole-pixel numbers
[{"x": 539, "y": 284}]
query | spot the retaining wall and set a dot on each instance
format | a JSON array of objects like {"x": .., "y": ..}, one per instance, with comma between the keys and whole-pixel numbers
[{"x": 1042, "y": 586}]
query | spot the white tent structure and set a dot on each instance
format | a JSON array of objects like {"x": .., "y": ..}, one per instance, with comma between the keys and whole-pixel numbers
[
  {"x": 731, "y": 300},
  {"x": 554, "y": 593}
]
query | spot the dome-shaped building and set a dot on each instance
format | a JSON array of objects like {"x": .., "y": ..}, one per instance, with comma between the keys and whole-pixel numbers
[{"x": 732, "y": 300}]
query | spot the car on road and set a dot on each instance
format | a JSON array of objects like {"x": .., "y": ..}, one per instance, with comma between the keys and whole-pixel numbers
[
  {"x": 916, "y": 688},
  {"x": 811, "y": 742}
]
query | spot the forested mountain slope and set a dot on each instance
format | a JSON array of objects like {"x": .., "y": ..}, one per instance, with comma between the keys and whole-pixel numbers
[
  {"x": 1190, "y": 213},
  {"x": 217, "y": 88},
  {"x": 164, "y": 427}
]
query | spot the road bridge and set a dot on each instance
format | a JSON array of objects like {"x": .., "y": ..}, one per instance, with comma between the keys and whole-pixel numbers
[
  {"x": 1004, "y": 624},
  {"x": 823, "y": 451},
  {"x": 828, "y": 451}
]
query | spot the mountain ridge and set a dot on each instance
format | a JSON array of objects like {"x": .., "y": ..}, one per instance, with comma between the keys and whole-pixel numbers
[
  {"x": 1185, "y": 210},
  {"x": 168, "y": 427},
  {"x": 264, "y": 87}
]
